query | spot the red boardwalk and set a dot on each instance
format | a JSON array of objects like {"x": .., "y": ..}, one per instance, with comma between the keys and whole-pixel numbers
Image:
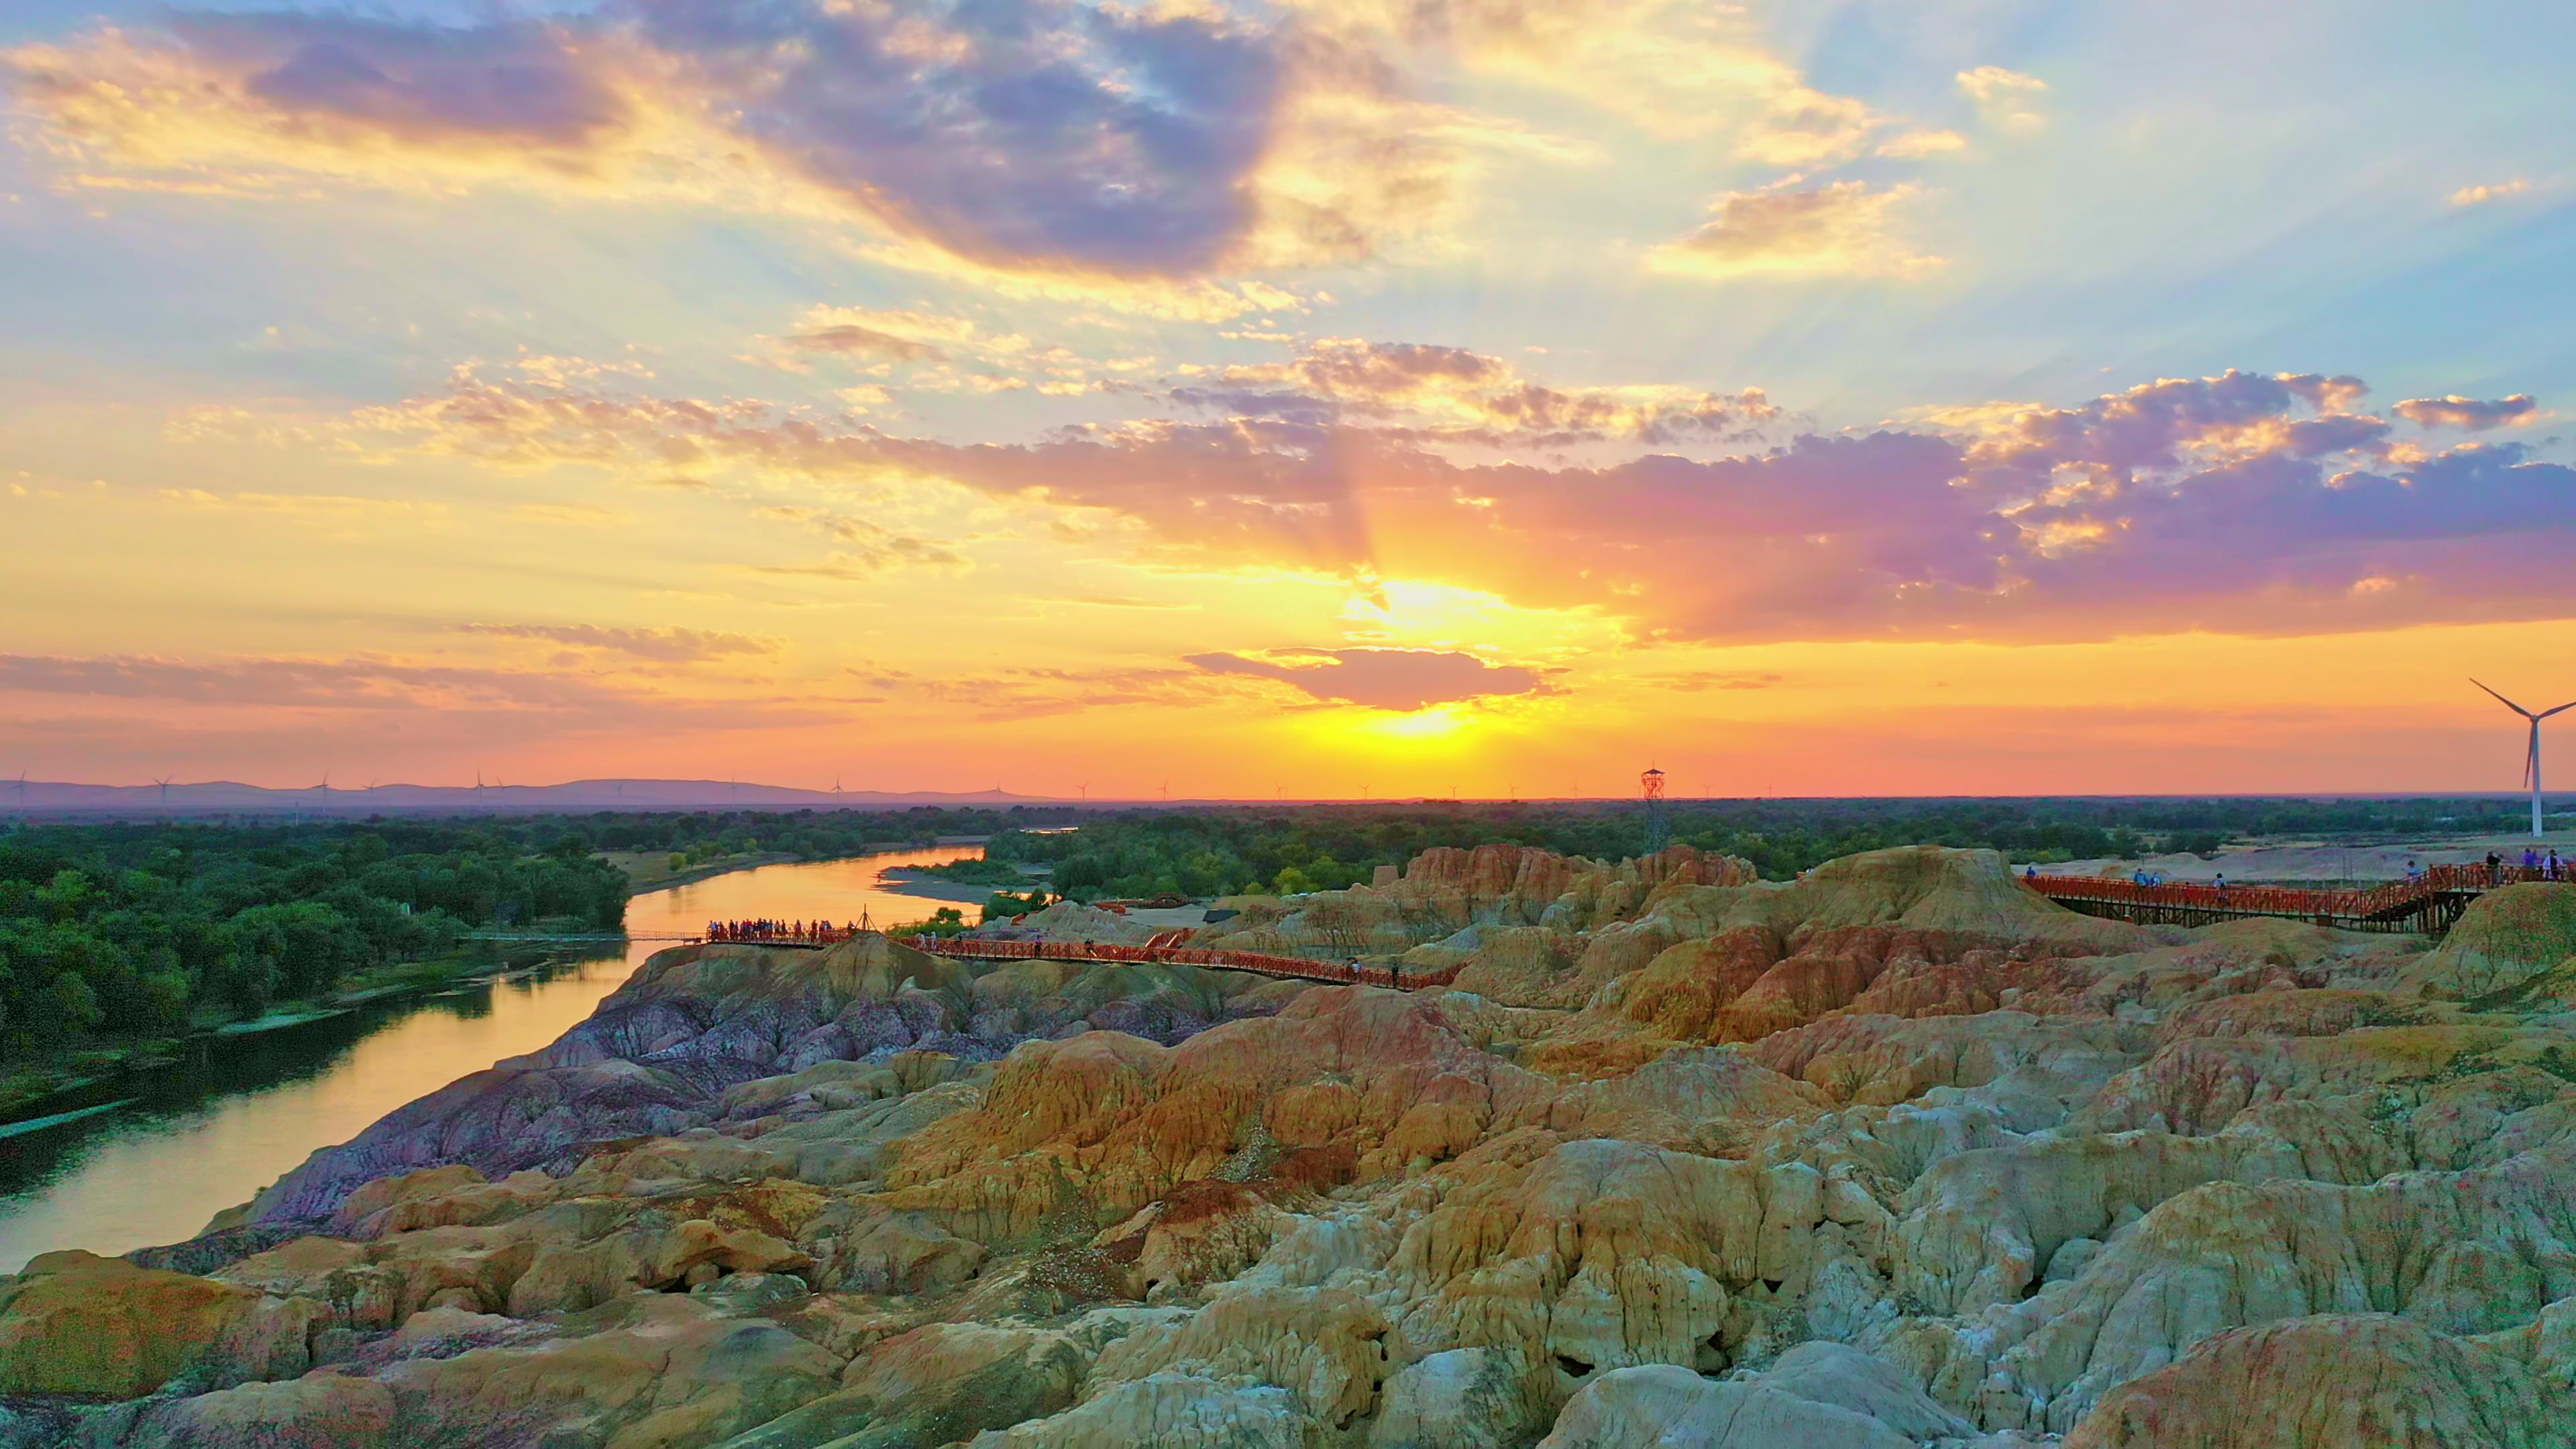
[
  {"x": 1160, "y": 952},
  {"x": 2430, "y": 902},
  {"x": 1164, "y": 949}
]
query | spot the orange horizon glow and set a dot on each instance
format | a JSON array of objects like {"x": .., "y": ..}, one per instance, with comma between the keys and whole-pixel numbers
[{"x": 1335, "y": 400}]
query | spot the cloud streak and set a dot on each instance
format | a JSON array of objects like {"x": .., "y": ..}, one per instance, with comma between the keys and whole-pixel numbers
[
  {"x": 2469, "y": 414},
  {"x": 665, "y": 645},
  {"x": 1402, "y": 680},
  {"x": 1453, "y": 395},
  {"x": 1845, "y": 228}
]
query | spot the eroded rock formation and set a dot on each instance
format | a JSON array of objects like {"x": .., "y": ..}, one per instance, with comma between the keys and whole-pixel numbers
[{"x": 1895, "y": 1155}]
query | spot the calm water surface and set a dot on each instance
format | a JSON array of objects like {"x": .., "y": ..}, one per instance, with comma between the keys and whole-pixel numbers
[{"x": 201, "y": 1136}]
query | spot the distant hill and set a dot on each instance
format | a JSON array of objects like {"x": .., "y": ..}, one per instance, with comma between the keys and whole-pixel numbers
[{"x": 226, "y": 797}]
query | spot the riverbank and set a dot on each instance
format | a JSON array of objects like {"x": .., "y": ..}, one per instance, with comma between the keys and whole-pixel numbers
[
  {"x": 58, "y": 1081},
  {"x": 648, "y": 871},
  {"x": 235, "y": 1113},
  {"x": 51, "y": 1085},
  {"x": 905, "y": 881}
]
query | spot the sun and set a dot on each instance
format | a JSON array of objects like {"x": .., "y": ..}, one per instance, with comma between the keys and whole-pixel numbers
[{"x": 1438, "y": 722}]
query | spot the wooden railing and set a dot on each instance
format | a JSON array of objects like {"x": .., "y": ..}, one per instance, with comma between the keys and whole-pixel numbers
[
  {"x": 2390, "y": 900},
  {"x": 1296, "y": 968},
  {"x": 1163, "y": 949}
]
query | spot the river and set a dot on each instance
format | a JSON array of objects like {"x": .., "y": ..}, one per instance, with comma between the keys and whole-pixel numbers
[{"x": 202, "y": 1135}]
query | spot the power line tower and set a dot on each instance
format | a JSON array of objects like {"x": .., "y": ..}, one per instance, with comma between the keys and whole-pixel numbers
[{"x": 1659, "y": 831}]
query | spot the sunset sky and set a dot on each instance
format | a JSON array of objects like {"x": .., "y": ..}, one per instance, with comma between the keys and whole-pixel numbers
[{"x": 1419, "y": 396}]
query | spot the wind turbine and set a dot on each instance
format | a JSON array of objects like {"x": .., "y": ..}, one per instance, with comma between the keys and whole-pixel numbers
[
  {"x": 164, "y": 782},
  {"x": 1085, "y": 789},
  {"x": 2531, "y": 759}
]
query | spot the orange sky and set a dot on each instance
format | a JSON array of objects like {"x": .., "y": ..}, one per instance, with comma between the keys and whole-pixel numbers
[{"x": 1301, "y": 396}]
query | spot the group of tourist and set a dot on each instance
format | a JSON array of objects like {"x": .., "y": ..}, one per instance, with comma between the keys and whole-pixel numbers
[
  {"x": 2141, "y": 877},
  {"x": 2535, "y": 866},
  {"x": 807, "y": 932}
]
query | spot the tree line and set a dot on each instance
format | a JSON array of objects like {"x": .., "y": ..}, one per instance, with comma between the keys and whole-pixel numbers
[
  {"x": 133, "y": 928},
  {"x": 1284, "y": 851}
]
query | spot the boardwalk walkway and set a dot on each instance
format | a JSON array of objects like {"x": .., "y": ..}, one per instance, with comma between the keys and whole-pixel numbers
[
  {"x": 1164, "y": 949},
  {"x": 571, "y": 937},
  {"x": 2426, "y": 905},
  {"x": 1162, "y": 952}
]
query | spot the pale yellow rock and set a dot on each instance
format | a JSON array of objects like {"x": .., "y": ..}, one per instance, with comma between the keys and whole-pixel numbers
[
  {"x": 1465, "y": 1398},
  {"x": 1661, "y": 1407},
  {"x": 2504, "y": 939},
  {"x": 318, "y": 1411},
  {"x": 652, "y": 1371},
  {"x": 1170, "y": 1411},
  {"x": 1328, "y": 1348},
  {"x": 2326, "y": 1383},
  {"x": 76, "y": 1323}
]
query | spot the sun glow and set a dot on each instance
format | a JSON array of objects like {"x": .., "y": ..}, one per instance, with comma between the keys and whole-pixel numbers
[{"x": 1436, "y": 723}]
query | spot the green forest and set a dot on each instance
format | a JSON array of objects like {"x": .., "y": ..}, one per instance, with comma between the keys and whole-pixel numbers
[
  {"x": 133, "y": 929},
  {"x": 143, "y": 929}
]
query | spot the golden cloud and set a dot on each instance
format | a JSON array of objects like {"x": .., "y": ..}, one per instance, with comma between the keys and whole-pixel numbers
[
  {"x": 2008, "y": 99},
  {"x": 2483, "y": 193},
  {"x": 1845, "y": 228}
]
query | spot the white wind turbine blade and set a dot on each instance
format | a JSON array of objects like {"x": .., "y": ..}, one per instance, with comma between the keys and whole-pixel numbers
[
  {"x": 2546, "y": 713},
  {"x": 2509, "y": 704},
  {"x": 2531, "y": 760}
]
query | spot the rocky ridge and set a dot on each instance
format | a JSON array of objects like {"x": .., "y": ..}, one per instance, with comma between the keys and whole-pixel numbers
[{"x": 1898, "y": 1154}]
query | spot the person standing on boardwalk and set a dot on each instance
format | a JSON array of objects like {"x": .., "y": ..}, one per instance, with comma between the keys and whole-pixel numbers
[{"x": 2495, "y": 869}]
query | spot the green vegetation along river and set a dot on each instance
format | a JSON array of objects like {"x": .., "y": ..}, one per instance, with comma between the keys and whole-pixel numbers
[{"x": 175, "y": 1146}]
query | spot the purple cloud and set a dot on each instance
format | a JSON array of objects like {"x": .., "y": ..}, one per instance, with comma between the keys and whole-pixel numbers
[
  {"x": 2468, "y": 413},
  {"x": 1013, "y": 131},
  {"x": 1025, "y": 134},
  {"x": 851, "y": 338},
  {"x": 506, "y": 81}
]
